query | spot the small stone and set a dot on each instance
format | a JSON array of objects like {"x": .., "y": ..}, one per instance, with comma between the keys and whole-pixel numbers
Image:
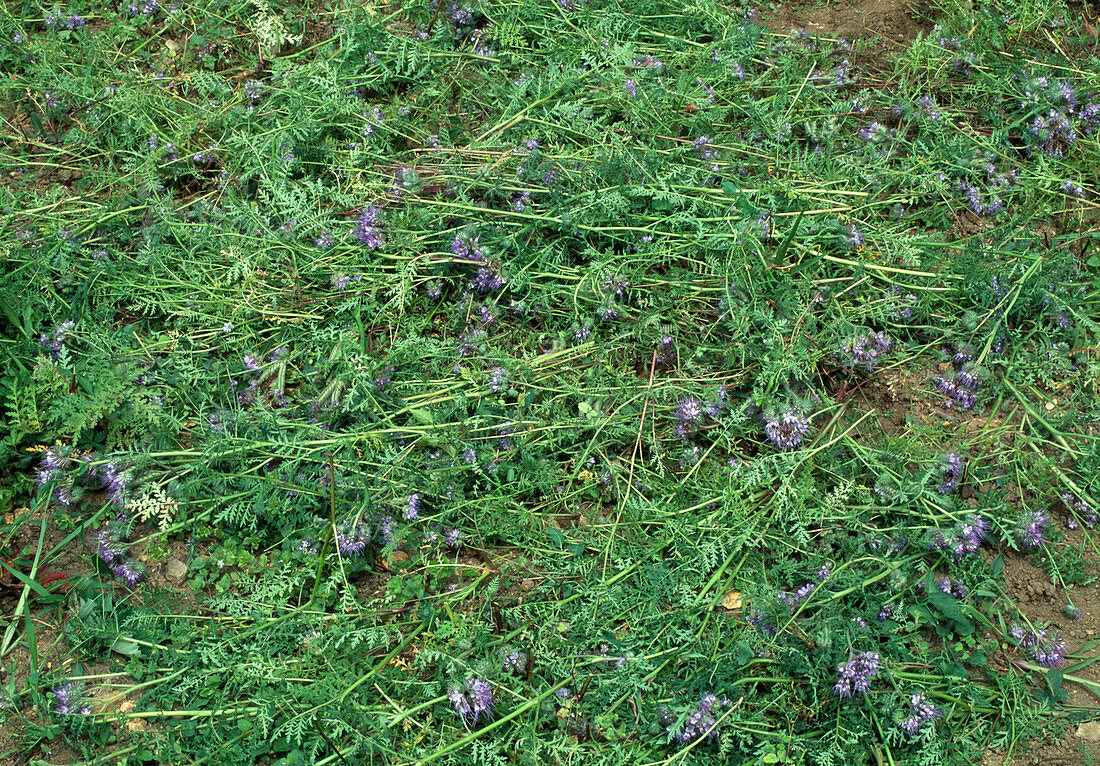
[
  {"x": 175, "y": 571},
  {"x": 1050, "y": 406},
  {"x": 732, "y": 600},
  {"x": 527, "y": 585},
  {"x": 1089, "y": 731}
]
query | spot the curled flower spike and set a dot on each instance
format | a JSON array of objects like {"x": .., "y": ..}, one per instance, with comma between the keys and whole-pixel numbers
[
  {"x": 920, "y": 713},
  {"x": 1045, "y": 648},
  {"x": 472, "y": 699},
  {"x": 788, "y": 430},
  {"x": 854, "y": 676},
  {"x": 1031, "y": 528},
  {"x": 701, "y": 723},
  {"x": 68, "y": 699}
]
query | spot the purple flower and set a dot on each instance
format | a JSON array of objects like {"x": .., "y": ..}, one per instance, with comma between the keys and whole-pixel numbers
[
  {"x": 412, "y": 507},
  {"x": 629, "y": 87},
  {"x": 854, "y": 676},
  {"x": 473, "y": 699},
  {"x": 864, "y": 350},
  {"x": 384, "y": 527},
  {"x": 58, "y": 459},
  {"x": 788, "y": 430},
  {"x": 367, "y": 228},
  {"x": 1031, "y": 528},
  {"x": 689, "y": 412},
  {"x": 454, "y": 537},
  {"x": 520, "y": 201},
  {"x": 960, "y": 390},
  {"x": 514, "y": 662},
  {"x": 67, "y": 699},
  {"x": 324, "y": 240},
  {"x": 352, "y": 539},
  {"x": 460, "y": 248},
  {"x": 919, "y": 714},
  {"x": 1045, "y": 648},
  {"x": 703, "y": 148},
  {"x": 666, "y": 352},
  {"x": 702, "y": 722},
  {"x": 107, "y": 549},
  {"x": 763, "y": 622},
  {"x": 1073, "y": 189},
  {"x": 486, "y": 281},
  {"x": 1082, "y": 509},
  {"x": 952, "y": 473},
  {"x": 792, "y": 600},
  {"x": 498, "y": 380},
  {"x": 130, "y": 572}
]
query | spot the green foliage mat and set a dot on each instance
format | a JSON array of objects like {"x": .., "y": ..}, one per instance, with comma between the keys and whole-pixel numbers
[{"x": 542, "y": 382}]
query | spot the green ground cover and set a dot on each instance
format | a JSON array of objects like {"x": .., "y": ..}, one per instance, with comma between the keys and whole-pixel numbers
[{"x": 546, "y": 382}]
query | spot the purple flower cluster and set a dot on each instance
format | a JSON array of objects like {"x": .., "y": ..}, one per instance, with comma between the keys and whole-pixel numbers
[
  {"x": 413, "y": 506},
  {"x": 207, "y": 157},
  {"x": 1059, "y": 117},
  {"x": 864, "y": 350},
  {"x": 514, "y": 661},
  {"x": 461, "y": 16},
  {"x": 792, "y": 599},
  {"x": 68, "y": 699},
  {"x": 148, "y": 8},
  {"x": 367, "y": 228},
  {"x": 702, "y": 723},
  {"x": 648, "y": 62},
  {"x": 117, "y": 478},
  {"x": 486, "y": 281},
  {"x": 54, "y": 341},
  {"x": 875, "y": 133},
  {"x": 498, "y": 380},
  {"x": 473, "y": 700},
  {"x": 666, "y": 353},
  {"x": 920, "y": 713},
  {"x": 953, "y": 469},
  {"x": 1031, "y": 528},
  {"x": 1044, "y": 647},
  {"x": 964, "y": 538},
  {"x": 952, "y": 586},
  {"x": 960, "y": 388},
  {"x": 58, "y": 20},
  {"x": 114, "y": 555},
  {"x": 763, "y": 622},
  {"x": 787, "y": 430},
  {"x": 974, "y": 200},
  {"x": 353, "y": 538},
  {"x": 58, "y": 465},
  {"x": 1082, "y": 510},
  {"x": 854, "y": 676},
  {"x": 467, "y": 249},
  {"x": 520, "y": 201},
  {"x": 703, "y": 147}
]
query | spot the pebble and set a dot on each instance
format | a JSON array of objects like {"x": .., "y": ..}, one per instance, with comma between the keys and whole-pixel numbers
[{"x": 175, "y": 571}]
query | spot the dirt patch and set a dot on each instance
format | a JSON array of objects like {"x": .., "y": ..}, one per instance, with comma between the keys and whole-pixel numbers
[
  {"x": 892, "y": 19},
  {"x": 1045, "y": 604}
]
